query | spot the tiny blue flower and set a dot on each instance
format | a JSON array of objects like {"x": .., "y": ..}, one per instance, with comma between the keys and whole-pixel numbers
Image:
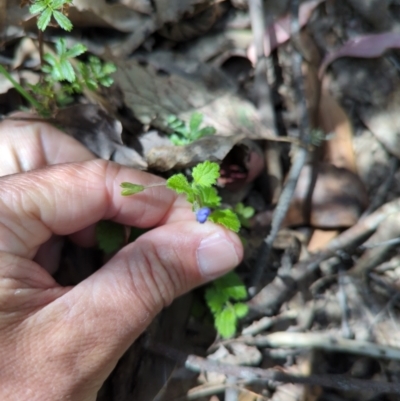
[{"x": 202, "y": 214}]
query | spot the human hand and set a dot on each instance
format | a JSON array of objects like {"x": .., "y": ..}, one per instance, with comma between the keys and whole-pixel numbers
[{"x": 61, "y": 343}]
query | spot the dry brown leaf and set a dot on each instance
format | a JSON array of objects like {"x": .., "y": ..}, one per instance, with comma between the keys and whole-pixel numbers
[
  {"x": 366, "y": 46},
  {"x": 195, "y": 25},
  {"x": 332, "y": 119},
  {"x": 338, "y": 198},
  {"x": 154, "y": 95},
  {"x": 141, "y": 6},
  {"x": 213, "y": 148},
  {"x": 384, "y": 123},
  {"x": 99, "y": 132},
  {"x": 116, "y": 15}
]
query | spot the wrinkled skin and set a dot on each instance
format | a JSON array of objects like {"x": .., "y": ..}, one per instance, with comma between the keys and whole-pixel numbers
[{"x": 59, "y": 343}]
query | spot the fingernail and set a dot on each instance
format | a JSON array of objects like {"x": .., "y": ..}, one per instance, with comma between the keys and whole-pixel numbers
[{"x": 216, "y": 256}]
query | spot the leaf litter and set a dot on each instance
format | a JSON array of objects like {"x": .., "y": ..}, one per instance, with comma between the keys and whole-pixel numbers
[{"x": 324, "y": 280}]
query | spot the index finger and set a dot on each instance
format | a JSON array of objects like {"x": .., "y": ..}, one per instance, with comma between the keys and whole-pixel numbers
[{"x": 64, "y": 199}]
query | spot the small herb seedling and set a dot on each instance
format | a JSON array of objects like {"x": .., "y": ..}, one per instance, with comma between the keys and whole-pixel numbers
[
  {"x": 201, "y": 193},
  {"x": 221, "y": 298},
  {"x": 63, "y": 74},
  {"x": 222, "y": 294},
  {"x": 244, "y": 213},
  {"x": 184, "y": 134}
]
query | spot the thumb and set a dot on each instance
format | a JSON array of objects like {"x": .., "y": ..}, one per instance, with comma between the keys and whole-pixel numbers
[{"x": 105, "y": 313}]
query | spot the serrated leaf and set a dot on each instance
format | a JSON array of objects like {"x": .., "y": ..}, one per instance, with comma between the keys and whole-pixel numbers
[
  {"x": 232, "y": 286},
  {"x": 209, "y": 196},
  {"x": 37, "y": 8},
  {"x": 195, "y": 121},
  {"x": 56, "y": 4},
  {"x": 241, "y": 309},
  {"x": 76, "y": 50},
  {"x": 215, "y": 299},
  {"x": 44, "y": 19},
  {"x": 109, "y": 68},
  {"x": 225, "y": 323},
  {"x": 110, "y": 236},
  {"x": 226, "y": 218},
  {"x": 206, "y": 174},
  {"x": 67, "y": 71},
  {"x": 179, "y": 184},
  {"x": 106, "y": 81},
  {"x": 62, "y": 20},
  {"x": 130, "y": 189},
  {"x": 61, "y": 46}
]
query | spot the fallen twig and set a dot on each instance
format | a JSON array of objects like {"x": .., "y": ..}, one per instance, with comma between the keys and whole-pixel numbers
[
  {"x": 300, "y": 158},
  {"x": 270, "y": 299},
  {"x": 338, "y": 382}
]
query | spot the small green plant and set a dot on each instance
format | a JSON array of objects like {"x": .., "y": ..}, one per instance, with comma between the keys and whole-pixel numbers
[
  {"x": 184, "y": 134},
  {"x": 63, "y": 74},
  {"x": 201, "y": 193},
  {"x": 221, "y": 298},
  {"x": 222, "y": 294},
  {"x": 244, "y": 213}
]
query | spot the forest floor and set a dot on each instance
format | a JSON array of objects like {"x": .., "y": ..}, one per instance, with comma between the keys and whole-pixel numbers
[{"x": 304, "y": 99}]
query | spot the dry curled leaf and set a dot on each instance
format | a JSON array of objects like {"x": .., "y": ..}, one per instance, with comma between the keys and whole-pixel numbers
[
  {"x": 153, "y": 94},
  {"x": 213, "y": 148},
  {"x": 366, "y": 46},
  {"x": 99, "y": 132}
]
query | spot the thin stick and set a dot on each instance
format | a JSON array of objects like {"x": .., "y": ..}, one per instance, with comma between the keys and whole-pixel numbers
[
  {"x": 300, "y": 158},
  {"x": 339, "y": 382}
]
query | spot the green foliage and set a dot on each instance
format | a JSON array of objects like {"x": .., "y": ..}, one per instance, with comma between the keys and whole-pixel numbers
[
  {"x": 63, "y": 74},
  {"x": 131, "y": 189},
  {"x": 244, "y": 213},
  {"x": 227, "y": 218},
  {"x": 59, "y": 67},
  {"x": 220, "y": 297},
  {"x": 200, "y": 193},
  {"x": 184, "y": 134},
  {"x": 206, "y": 174},
  {"x": 110, "y": 236},
  {"x": 51, "y": 8}
]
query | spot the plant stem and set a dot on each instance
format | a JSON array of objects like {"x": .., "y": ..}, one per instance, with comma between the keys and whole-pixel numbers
[{"x": 21, "y": 90}]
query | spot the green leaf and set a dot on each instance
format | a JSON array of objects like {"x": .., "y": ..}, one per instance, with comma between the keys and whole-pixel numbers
[
  {"x": 130, "y": 189},
  {"x": 225, "y": 323},
  {"x": 205, "y": 132},
  {"x": 177, "y": 140},
  {"x": 206, "y": 174},
  {"x": 215, "y": 299},
  {"x": 44, "y": 19},
  {"x": 67, "y": 71},
  {"x": 179, "y": 184},
  {"x": 109, "y": 68},
  {"x": 195, "y": 121},
  {"x": 226, "y": 218},
  {"x": 37, "y": 8},
  {"x": 62, "y": 20},
  {"x": 232, "y": 286},
  {"x": 61, "y": 46},
  {"x": 209, "y": 197},
  {"x": 110, "y": 236},
  {"x": 241, "y": 309},
  {"x": 245, "y": 211},
  {"x": 76, "y": 50}
]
